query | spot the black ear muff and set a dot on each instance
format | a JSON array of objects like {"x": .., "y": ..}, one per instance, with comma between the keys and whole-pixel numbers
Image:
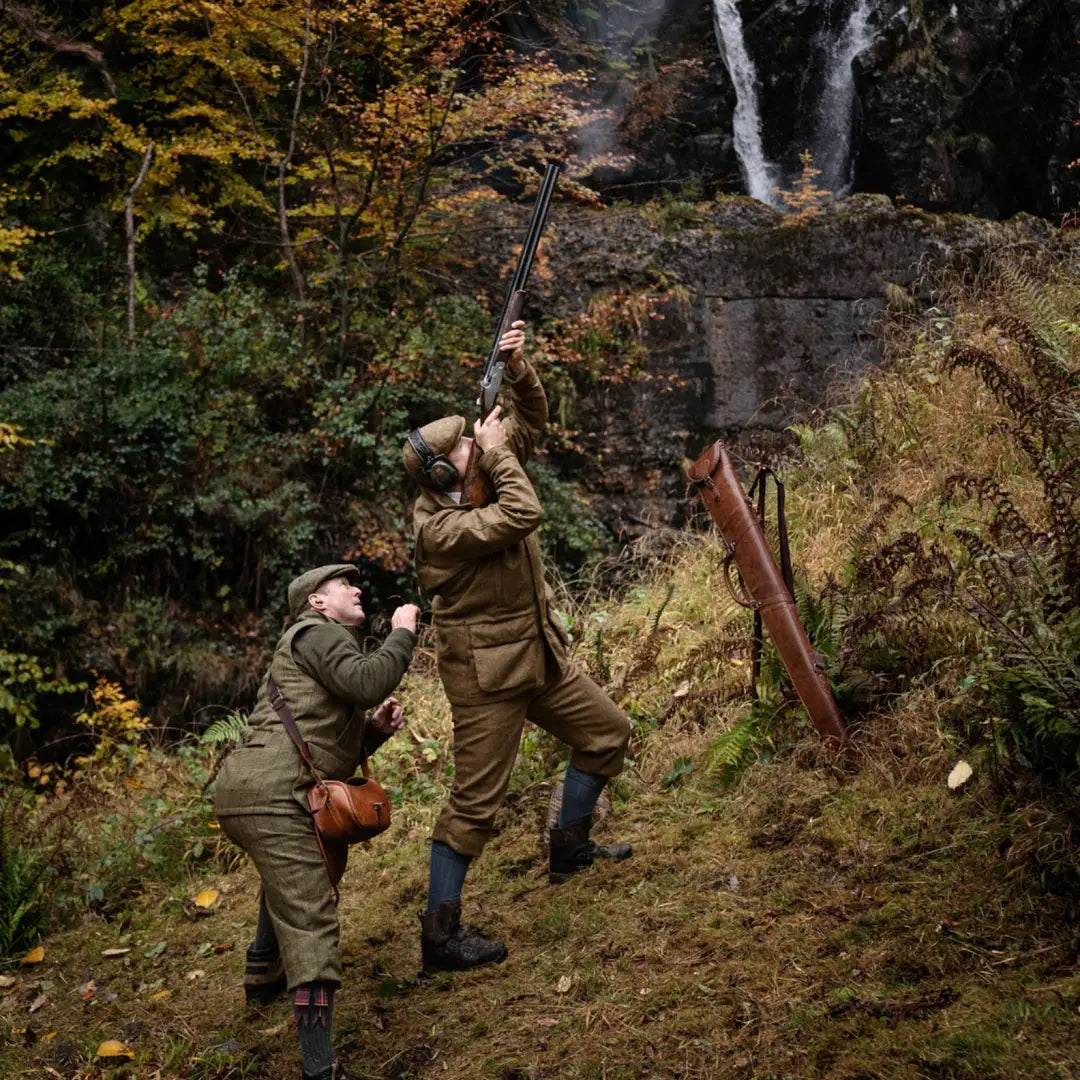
[{"x": 439, "y": 472}]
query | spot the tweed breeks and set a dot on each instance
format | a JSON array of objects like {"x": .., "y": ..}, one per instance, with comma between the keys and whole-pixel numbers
[
  {"x": 486, "y": 738},
  {"x": 298, "y": 895}
]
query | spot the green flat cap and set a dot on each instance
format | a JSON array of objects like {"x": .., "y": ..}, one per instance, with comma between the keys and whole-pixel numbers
[
  {"x": 302, "y": 587},
  {"x": 441, "y": 435}
]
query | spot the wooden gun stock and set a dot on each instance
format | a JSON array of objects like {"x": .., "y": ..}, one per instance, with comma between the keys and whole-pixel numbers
[
  {"x": 714, "y": 476},
  {"x": 477, "y": 489}
]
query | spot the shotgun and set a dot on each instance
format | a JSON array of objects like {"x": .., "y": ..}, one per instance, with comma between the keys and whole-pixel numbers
[{"x": 478, "y": 489}]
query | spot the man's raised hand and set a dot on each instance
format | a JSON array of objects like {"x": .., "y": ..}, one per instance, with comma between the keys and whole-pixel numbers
[
  {"x": 405, "y": 618},
  {"x": 513, "y": 342},
  {"x": 389, "y": 716}
]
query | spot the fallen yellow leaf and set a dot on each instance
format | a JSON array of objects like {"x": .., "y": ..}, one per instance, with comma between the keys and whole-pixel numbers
[
  {"x": 160, "y": 995},
  {"x": 207, "y": 898},
  {"x": 115, "y": 952},
  {"x": 114, "y": 1048},
  {"x": 49, "y": 1036},
  {"x": 961, "y": 774},
  {"x": 34, "y": 956}
]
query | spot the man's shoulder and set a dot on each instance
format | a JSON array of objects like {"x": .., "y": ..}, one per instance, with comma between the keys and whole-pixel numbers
[
  {"x": 312, "y": 636},
  {"x": 434, "y": 508}
]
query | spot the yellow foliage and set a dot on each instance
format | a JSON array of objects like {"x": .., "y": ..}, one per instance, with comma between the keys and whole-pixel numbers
[
  {"x": 806, "y": 197},
  {"x": 13, "y": 238},
  {"x": 116, "y": 723},
  {"x": 10, "y": 438}
]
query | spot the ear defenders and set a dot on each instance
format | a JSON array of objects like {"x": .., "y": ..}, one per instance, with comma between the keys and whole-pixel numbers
[{"x": 438, "y": 470}]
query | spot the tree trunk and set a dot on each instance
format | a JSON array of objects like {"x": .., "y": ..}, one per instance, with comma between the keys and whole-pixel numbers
[{"x": 129, "y": 228}]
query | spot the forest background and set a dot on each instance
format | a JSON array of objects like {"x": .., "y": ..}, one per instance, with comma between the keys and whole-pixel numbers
[{"x": 225, "y": 240}]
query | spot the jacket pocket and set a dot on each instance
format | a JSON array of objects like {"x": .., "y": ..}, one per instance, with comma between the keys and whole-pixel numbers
[{"x": 507, "y": 654}]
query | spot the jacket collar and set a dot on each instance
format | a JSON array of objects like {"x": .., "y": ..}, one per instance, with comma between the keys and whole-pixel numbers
[{"x": 309, "y": 614}]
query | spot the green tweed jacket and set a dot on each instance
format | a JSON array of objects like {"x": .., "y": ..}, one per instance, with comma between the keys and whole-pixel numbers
[{"x": 328, "y": 684}]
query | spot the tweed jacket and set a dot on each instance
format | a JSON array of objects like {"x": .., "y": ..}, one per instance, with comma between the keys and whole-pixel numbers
[
  {"x": 328, "y": 684},
  {"x": 482, "y": 568}
]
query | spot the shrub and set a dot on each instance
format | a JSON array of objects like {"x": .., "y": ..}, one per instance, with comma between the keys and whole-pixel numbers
[
  {"x": 965, "y": 572},
  {"x": 23, "y": 905}
]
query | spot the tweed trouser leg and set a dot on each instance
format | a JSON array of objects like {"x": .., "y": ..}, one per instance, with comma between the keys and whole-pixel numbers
[
  {"x": 297, "y": 890},
  {"x": 486, "y": 737}
]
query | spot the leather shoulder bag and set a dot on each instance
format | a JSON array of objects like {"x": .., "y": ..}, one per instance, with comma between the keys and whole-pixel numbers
[{"x": 345, "y": 811}]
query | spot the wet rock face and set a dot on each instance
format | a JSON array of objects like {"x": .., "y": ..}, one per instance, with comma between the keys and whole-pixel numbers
[
  {"x": 763, "y": 350},
  {"x": 961, "y": 105},
  {"x": 972, "y": 106},
  {"x": 770, "y": 316}
]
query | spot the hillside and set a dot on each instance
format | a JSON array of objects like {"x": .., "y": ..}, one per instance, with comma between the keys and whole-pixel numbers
[
  {"x": 807, "y": 923},
  {"x": 784, "y": 915}
]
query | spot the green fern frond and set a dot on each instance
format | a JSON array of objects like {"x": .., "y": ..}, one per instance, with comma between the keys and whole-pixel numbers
[
  {"x": 23, "y": 910},
  {"x": 660, "y": 609},
  {"x": 732, "y": 749},
  {"x": 228, "y": 728}
]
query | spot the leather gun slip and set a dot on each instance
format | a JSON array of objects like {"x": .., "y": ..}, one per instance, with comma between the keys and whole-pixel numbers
[{"x": 714, "y": 476}]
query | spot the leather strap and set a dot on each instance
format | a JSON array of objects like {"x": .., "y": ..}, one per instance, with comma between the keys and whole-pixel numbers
[
  {"x": 276, "y": 699},
  {"x": 759, "y": 486},
  {"x": 282, "y": 709}
]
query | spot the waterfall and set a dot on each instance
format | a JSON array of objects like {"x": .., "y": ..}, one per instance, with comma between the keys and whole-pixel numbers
[
  {"x": 759, "y": 175},
  {"x": 831, "y": 118}
]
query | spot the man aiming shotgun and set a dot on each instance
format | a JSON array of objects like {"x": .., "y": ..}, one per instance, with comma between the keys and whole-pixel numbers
[{"x": 502, "y": 654}]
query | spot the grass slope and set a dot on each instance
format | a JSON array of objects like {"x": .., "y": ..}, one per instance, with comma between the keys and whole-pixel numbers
[{"x": 810, "y": 922}]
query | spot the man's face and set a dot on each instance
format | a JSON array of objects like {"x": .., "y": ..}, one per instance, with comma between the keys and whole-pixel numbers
[
  {"x": 459, "y": 456},
  {"x": 339, "y": 599}
]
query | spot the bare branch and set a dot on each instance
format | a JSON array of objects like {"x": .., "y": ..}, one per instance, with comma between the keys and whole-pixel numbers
[
  {"x": 129, "y": 228},
  {"x": 57, "y": 42},
  {"x": 283, "y": 165}
]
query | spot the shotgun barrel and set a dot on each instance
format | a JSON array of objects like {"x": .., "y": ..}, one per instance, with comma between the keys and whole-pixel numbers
[{"x": 515, "y": 293}]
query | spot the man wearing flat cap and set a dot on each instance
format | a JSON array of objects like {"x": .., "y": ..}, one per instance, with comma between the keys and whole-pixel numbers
[
  {"x": 502, "y": 654},
  {"x": 328, "y": 684}
]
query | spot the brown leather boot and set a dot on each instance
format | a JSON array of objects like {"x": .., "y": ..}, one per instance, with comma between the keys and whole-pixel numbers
[
  {"x": 572, "y": 850},
  {"x": 447, "y": 947}
]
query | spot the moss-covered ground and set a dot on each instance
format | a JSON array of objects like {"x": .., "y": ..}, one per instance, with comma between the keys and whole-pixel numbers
[{"x": 809, "y": 921}]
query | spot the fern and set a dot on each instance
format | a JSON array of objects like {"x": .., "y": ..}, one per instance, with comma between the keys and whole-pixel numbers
[
  {"x": 23, "y": 909},
  {"x": 730, "y": 752},
  {"x": 228, "y": 728},
  {"x": 660, "y": 610}
]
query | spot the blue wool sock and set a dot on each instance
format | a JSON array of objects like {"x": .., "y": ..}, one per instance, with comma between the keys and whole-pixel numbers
[
  {"x": 265, "y": 943},
  {"x": 448, "y": 870},
  {"x": 579, "y": 794}
]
